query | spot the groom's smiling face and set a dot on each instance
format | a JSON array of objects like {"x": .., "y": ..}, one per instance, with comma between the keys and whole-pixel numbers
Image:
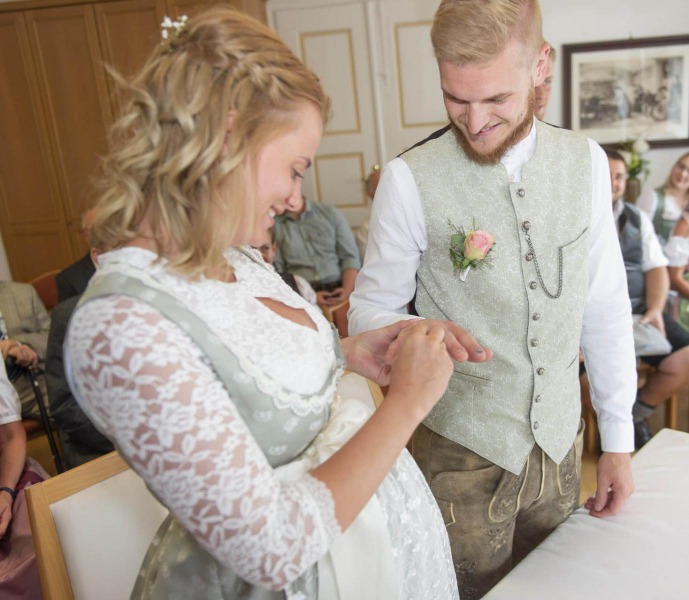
[{"x": 491, "y": 105}]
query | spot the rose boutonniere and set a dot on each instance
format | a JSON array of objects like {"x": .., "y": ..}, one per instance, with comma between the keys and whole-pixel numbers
[{"x": 469, "y": 249}]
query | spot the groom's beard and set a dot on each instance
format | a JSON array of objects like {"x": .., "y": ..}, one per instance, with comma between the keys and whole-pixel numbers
[{"x": 492, "y": 157}]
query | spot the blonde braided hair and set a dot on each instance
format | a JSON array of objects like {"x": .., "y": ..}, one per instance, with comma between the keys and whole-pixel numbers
[{"x": 173, "y": 166}]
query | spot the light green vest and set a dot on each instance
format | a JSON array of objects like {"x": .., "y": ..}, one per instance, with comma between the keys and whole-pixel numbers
[{"x": 529, "y": 392}]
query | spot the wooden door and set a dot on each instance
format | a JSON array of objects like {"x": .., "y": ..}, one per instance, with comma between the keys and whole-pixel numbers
[
  {"x": 68, "y": 60},
  {"x": 129, "y": 31},
  {"x": 332, "y": 40},
  {"x": 31, "y": 216}
]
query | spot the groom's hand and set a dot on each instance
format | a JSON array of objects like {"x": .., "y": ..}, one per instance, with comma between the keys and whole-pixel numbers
[{"x": 460, "y": 344}]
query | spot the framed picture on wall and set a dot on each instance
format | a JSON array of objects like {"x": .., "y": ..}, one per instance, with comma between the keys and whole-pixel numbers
[{"x": 621, "y": 90}]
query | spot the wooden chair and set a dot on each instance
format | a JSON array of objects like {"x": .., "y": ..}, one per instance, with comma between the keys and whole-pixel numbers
[
  {"x": 671, "y": 404},
  {"x": 337, "y": 315},
  {"x": 591, "y": 441},
  {"x": 46, "y": 287},
  {"x": 91, "y": 528}
]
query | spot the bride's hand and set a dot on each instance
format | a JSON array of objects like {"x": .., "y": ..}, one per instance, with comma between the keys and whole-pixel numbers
[{"x": 421, "y": 369}]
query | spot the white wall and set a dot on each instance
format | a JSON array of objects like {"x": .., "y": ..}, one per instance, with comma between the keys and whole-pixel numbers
[{"x": 580, "y": 21}]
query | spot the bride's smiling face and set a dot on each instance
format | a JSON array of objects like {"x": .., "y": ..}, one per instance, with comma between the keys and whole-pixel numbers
[{"x": 280, "y": 168}]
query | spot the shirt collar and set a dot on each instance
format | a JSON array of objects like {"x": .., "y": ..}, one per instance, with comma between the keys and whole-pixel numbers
[{"x": 521, "y": 153}]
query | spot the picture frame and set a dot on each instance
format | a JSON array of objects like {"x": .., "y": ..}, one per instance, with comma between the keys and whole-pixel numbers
[{"x": 621, "y": 90}]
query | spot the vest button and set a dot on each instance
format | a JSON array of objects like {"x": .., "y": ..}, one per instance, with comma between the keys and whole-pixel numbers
[
  {"x": 536, "y": 316},
  {"x": 529, "y": 256},
  {"x": 533, "y": 285},
  {"x": 526, "y": 226},
  {"x": 537, "y": 398},
  {"x": 534, "y": 342},
  {"x": 540, "y": 370},
  {"x": 521, "y": 193},
  {"x": 535, "y": 425}
]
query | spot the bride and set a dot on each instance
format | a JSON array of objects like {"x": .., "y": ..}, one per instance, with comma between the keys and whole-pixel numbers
[{"x": 214, "y": 380}]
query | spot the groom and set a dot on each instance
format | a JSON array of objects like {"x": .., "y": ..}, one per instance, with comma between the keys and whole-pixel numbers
[{"x": 502, "y": 449}]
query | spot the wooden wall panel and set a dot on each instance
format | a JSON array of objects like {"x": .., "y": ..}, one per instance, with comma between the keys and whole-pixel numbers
[
  {"x": 128, "y": 32},
  {"x": 36, "y": 246},
  {"x": 255, "y": 8},
  {"x": 177, "y": 8}
]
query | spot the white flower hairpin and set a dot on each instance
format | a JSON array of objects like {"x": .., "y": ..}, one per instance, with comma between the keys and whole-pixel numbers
[{"x": 170, "y": 28}]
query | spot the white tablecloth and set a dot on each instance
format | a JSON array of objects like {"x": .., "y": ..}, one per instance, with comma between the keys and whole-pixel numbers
[{"x": 642, "y": 553}]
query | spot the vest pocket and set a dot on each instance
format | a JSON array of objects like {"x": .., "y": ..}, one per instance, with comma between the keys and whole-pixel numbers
[
  {"x": 574, "y": 264},
  {"x": 574, "y": 360},
  {"x": 470, "y": 377}
]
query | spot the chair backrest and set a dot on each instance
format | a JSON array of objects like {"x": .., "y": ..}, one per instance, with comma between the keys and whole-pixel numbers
[
  {"x": 46, "y": 288},
  {"x": 91, "y": 527},
  {"x": 337, "y": 315}
]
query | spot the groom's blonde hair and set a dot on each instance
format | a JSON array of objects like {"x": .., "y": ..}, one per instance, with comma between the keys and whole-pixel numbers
[{"x": 476, "y": 31}]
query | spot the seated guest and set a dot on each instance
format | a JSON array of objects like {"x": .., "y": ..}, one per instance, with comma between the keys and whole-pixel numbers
[
  {"x": 18, "y": 569},
  {"x": 372, "y": 180},
  {"x": 72, "y": 280},
  {"x": 80, "y": 440},
  {"x": 648, "y": 284},
  {"x": 315, "y": 241},
  {"x": 296, "y": 282},
  {"x": 665, "y": 204},
  {"x": 24, "y": 325},
  {"x": 677, "y": 252}
]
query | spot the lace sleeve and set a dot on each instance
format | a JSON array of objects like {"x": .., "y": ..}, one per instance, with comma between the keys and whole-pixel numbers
[{"x": 149, "y": 388}]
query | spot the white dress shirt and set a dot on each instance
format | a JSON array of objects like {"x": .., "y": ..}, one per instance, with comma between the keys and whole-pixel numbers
[{"x": 397, "y": 239}]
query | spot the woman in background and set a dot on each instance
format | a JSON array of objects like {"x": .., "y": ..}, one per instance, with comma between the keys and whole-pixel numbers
[
  {"x": 664, "y": 205},
  {"x": 215, "y": 381},
  {"x": 677, "y": 252},
  {"x": 18, "y": 568}
]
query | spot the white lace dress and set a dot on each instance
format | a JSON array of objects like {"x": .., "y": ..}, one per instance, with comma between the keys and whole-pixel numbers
[{"x": 150, "y": 388}]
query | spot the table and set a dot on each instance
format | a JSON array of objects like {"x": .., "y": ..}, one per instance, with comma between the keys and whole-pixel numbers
[{"x": 641, "y": 553}]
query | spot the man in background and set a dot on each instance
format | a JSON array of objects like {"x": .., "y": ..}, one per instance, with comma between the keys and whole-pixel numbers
[
  {"x": 543, "y": 90},
  {"x": 296, "y": 282},
  {"x": 315, "y": 241},
  {"x": 72, "y": 280},
  {"x": 80, "y": 440}
]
